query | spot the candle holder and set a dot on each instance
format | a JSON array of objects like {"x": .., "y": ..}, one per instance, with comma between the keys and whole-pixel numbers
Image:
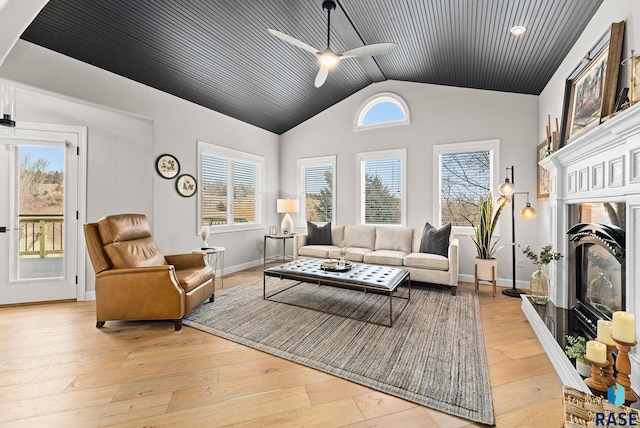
[
  {"x": 607, "y": 372},
  {"x": 595, "y": 381},
  {"x": 623, "y": 367}
]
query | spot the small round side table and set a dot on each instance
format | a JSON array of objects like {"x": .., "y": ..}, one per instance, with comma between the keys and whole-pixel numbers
[{"x": 215, "y": 257}]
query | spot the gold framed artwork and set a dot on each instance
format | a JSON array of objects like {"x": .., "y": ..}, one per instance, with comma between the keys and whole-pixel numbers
[
  {"x": 590, "y": 90},
  {"x": 634, "y": 90},
  {"x": 543, "y": 174}
]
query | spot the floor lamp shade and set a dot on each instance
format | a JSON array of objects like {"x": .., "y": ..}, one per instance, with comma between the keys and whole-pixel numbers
[{"x": 287, "y": 206}]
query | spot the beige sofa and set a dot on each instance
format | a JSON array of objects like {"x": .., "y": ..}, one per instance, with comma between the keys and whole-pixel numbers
[{"x": 389, "y": 246}]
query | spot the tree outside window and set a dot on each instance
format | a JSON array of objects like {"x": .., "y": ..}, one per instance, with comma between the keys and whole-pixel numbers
[{"x": 464, "y": 174}]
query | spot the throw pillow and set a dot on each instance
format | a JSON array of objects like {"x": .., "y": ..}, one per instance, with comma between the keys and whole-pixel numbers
[
  {"x": 434, "y": 240},
  {"x": 318, "y": 235}
]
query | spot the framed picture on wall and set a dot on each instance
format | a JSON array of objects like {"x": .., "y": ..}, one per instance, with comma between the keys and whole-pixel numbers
[
  {"x": 590, "y": 90},
  {"x": 543, "y": 174},
  {"x": 186, "y": 185}
]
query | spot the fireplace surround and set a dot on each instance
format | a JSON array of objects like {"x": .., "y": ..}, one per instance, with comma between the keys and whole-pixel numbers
[{"x": 599, "y": 169}]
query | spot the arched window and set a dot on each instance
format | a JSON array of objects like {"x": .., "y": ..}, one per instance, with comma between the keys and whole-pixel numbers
[{"x": 383, "y": 109}]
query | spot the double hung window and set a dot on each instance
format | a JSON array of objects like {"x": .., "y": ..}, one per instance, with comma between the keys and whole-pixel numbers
[
  {"x": 464, "y": 172},
  {"x": 316, "y": 189},
  {"x": 382, "y": 181},
  {"x": 230, "y": 190}
]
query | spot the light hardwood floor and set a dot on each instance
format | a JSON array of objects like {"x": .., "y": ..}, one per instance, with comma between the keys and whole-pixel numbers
[{"x": 57, "y": 369}]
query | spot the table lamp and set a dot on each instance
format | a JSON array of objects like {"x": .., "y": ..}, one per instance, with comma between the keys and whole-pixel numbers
[{"x": 287, "y": 206}]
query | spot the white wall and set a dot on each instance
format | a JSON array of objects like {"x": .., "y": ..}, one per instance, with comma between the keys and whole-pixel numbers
[
  {"x": 439, "y": 115},
  {"x": 552, "y": 97},
  {"x": 129, "y": 125}
]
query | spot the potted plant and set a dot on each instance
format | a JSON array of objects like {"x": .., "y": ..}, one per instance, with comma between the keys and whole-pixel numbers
[
  {"x": 539, "y": 279},
  {"x": 577, "y": 348},
  {"x": 484, "y": 227}
]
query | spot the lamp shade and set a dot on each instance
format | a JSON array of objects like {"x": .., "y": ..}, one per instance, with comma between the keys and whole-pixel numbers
[
  {"x": 287, "y": 206},
  {"x": 507, "y": 188},
  {"x": 528, "y": 212},
  {"x": 502, "y": 200}
]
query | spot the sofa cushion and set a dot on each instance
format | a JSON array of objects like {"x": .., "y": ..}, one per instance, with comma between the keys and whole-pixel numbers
[
  {"x": 354, "y": 254},
  {"x": 393, "y": 238},
  {"x": 359, "y": 236},
  {"x": 436, "y": 240},
  {"x": 317, "y": 251},
  {"x": 337, "y": 234},
  {"x": 318, "y": 235},
  {"x": 427, "y": 261},
  {"x": 385, "y": 257},
  {"x": 416, "y": 240}
]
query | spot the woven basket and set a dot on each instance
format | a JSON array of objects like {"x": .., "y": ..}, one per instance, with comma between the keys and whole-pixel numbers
[{"x": 580, "y": 408}]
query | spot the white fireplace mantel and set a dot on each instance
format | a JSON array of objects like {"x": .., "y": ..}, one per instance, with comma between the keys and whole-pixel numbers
[{"x": 599, "y": 164}]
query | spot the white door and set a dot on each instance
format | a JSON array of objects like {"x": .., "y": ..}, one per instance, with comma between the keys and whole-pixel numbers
[{"x": 39, "y": 214}]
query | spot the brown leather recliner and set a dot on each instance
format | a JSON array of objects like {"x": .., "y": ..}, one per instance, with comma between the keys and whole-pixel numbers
[{"x": 135, "y": 281}]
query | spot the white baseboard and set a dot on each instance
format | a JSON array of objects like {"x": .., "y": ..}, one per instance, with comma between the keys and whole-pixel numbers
[
  {"x": 502, "y": 282},
  {"x": 237, "y": 268},
  {"x": 89, "y": 295}
]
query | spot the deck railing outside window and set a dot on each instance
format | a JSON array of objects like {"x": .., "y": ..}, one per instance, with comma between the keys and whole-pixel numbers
[{"x": 41, "y": 236}]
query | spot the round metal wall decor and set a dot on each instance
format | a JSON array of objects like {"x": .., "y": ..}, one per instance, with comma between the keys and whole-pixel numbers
[
  {"x": 186, "y": 185},
  {"x": 167, "y": 166}
]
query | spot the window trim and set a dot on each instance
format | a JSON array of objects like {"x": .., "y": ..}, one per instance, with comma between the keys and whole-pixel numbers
[
  {"x": 376, "y": 99},
  {"x": 492, "y": 146},
  {"x": 360, "y": 173},
  {"x": 315, "y": 161},
  {"x": 234, "y": 155}
]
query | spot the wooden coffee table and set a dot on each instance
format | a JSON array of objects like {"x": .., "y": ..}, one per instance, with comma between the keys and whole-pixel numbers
[{"x": 368, "y": 278}]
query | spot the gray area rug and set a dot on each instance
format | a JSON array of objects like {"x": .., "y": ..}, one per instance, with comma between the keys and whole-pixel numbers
[{"x": 433, "y": 355}]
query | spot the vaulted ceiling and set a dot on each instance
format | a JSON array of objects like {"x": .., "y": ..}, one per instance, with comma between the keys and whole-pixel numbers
[{"x": 218, "y": 53}]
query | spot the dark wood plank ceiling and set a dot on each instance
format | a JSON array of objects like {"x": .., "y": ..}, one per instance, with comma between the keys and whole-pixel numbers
[{"x": 218, "y": 54}]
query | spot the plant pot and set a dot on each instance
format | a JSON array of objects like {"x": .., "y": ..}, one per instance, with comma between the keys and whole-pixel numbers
[
  {"x": 583, "y": 368},
  {"x": 486, "y": 269}
]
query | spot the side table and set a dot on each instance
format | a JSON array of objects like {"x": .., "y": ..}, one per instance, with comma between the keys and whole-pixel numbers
[
  {"x": 282, "y": 256},
  {"x": 215, "y": 257}
]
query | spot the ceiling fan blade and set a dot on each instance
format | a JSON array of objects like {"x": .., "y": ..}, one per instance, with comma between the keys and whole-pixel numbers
[
  {"x": 287, "y": 38},
  {"x": 368, "y": 50},
  {"x": 321, "y": 76}
]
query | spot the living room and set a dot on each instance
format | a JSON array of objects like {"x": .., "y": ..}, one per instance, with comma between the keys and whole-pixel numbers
[{"x": 129, "y": 125}]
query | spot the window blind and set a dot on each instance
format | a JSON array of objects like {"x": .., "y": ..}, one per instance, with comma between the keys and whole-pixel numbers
[
  {"x": 214, "y": 190},
  {"x": 383, "y": 191},
  {"x": 318, "y": 195}
]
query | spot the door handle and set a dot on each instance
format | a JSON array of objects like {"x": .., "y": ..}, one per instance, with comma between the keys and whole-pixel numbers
[{"x": 3, "y": 229}]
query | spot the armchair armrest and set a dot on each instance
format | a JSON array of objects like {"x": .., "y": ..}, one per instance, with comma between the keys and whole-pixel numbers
[
  {"x": 453, "y": 262},
  {"x": 186, "y": 261}
]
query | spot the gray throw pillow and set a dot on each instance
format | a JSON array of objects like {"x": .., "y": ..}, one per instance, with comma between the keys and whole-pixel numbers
[
  {"x": 318, "y": 235},
  {"x": 434, "y": 240}
]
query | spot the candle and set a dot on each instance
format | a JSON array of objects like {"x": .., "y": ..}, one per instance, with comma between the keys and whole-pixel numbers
[
  {"x": 605, "y": 330},
  {"x": 624, "y": 327},
  {"x": 596, "y": 352}
]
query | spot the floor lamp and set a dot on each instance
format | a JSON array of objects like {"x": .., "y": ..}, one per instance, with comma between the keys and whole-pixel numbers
[{"x": 508, "y": 192}]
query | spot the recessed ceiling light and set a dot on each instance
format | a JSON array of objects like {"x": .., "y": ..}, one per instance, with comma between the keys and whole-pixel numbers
[{"x": 518, "y": 30}]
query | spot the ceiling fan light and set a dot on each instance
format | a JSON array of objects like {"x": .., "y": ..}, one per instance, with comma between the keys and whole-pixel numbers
[
  {"x": 328, "y": 59},
  {"x": 518, "y": 30}
]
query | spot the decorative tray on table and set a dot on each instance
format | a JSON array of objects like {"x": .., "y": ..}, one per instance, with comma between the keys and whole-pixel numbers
[{"x": 331, "y": 265}]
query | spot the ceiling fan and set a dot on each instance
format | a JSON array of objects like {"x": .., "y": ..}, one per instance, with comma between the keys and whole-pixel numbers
[{"x": 329, "y": 59}]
